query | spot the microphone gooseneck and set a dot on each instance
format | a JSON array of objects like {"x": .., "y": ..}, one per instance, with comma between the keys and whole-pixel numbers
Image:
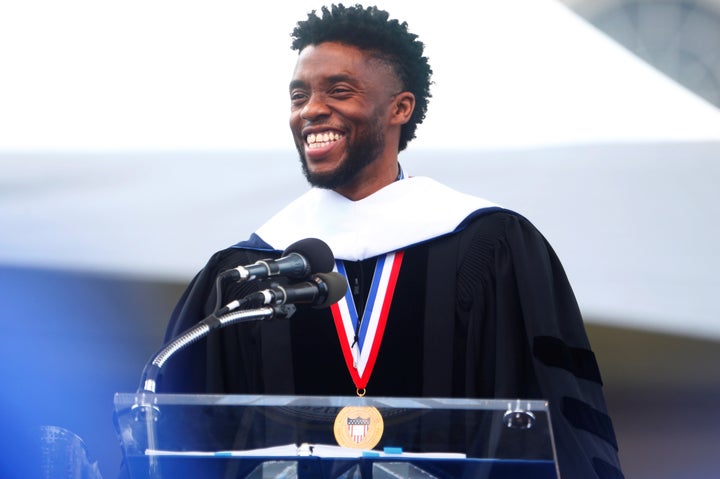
[{"x": 148, "y": 381}]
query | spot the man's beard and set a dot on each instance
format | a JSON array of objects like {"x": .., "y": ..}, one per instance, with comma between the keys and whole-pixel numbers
[{"x": 364, "y": 151}]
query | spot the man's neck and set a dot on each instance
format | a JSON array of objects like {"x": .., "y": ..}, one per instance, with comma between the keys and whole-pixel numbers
[{"x": 370, "y": 182}]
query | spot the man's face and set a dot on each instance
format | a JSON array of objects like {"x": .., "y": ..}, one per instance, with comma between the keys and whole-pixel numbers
[{"x": 340, "y": 102}]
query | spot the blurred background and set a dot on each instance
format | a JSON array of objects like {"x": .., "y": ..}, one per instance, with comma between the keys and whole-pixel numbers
[{"x": 137, "y": 138}]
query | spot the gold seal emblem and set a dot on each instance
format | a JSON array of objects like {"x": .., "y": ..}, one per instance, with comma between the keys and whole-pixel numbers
[{"x": 359, "y": 427}]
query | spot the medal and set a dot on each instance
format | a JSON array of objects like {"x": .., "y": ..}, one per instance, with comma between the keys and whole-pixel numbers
[
  {"x": 362, "y": 427},
  {"x": 359, "y": 427}
]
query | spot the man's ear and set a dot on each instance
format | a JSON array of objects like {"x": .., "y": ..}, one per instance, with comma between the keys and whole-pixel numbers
[{"x": 402, "y": 108}]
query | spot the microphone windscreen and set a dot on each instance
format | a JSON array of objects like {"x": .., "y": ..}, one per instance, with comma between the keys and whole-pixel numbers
[
  {"x": 336, "y": 288},
  {"x": 317, "y": 253}
]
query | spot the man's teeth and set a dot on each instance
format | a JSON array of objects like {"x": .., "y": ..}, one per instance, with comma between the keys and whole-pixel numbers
[{"x": 318, "y": 140}]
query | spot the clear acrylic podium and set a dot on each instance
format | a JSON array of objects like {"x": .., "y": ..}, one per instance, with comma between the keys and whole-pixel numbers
[{"x": 263, "y": 437}]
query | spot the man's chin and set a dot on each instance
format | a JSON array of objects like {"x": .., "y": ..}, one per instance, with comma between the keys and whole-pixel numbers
[
  {"x": 344, "y": 173},
  {"x": 323, "y": 179}
]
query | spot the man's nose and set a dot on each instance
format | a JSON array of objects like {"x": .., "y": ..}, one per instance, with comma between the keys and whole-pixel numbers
[{"x": 315, "y": 107}]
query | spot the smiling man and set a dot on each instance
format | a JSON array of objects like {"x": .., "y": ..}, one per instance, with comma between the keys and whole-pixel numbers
[
  {"x": 347, "y": 112},
  {"x": 449, "y": 295}
]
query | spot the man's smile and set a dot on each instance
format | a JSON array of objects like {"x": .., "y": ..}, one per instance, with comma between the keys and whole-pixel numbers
[{"x": 322, "y": 139}]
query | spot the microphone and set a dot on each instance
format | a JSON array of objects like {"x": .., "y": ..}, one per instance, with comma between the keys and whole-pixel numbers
[
  {"x": 320, "y": 290},
  {"x": 300, "y": 259}
]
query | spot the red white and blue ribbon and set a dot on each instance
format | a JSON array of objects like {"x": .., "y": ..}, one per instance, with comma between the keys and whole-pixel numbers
[{"x": 361, "y": 352}]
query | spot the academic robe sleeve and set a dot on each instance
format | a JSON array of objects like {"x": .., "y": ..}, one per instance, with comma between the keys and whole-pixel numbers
[
  {"x": 189, "y": 370},
  {"x": 525, "y": 338}
]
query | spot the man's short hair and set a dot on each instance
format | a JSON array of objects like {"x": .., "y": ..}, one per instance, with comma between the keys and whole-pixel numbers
[{"x": 371, "y": 30}]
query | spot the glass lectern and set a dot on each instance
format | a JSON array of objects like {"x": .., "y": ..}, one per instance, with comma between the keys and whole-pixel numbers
[{"x": 262, "y": 437}]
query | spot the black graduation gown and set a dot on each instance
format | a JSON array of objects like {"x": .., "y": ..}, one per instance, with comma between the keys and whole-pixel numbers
[{"x": 484, "y": 312}]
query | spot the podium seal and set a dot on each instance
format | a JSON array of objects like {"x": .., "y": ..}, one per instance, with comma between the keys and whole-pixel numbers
[{"x": 359, "y": 427}]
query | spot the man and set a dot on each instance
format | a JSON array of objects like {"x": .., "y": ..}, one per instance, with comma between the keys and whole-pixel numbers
[{"x": 450, "y": 295}]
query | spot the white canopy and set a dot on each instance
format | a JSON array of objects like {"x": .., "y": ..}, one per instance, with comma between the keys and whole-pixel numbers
[{"x": 213, "y": 75}]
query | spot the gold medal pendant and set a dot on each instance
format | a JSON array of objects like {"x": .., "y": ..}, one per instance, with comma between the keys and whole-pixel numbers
[{"x": 359, "y": 427}]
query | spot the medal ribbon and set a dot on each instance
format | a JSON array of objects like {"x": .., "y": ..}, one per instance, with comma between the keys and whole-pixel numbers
[{"x": 360, "y": 353}]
